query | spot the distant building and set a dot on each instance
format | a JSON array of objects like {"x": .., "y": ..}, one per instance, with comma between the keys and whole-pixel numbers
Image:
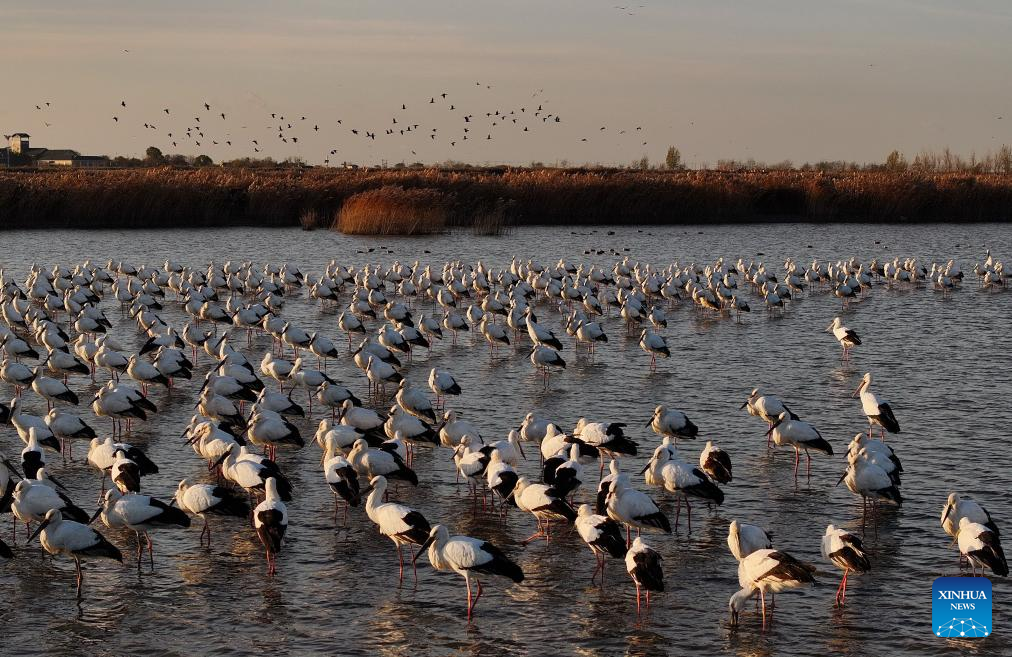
[{"x": 19, "y": 153}]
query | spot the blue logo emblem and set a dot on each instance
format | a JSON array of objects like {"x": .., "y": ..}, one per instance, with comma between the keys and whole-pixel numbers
[{"x": 961, "y": 607}]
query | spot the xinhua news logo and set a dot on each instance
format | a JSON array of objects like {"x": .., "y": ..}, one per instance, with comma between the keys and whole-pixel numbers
[{"x": 961, "y": 607}]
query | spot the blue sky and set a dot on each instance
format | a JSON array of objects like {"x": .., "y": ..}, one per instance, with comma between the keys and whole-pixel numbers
[{"x": 772, "y": 79}]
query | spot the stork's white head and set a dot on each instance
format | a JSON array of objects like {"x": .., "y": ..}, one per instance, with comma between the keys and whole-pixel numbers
[{"x": 738, "y": 603}]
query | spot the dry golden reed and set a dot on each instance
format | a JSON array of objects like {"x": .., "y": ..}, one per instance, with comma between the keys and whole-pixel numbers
[
  {"x": 215, "y": 196},
  {"x": 393, "y": 210}
]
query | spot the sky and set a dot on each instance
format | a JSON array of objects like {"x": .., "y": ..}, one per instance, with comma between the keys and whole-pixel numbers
[{"x": 764, "y": 79}]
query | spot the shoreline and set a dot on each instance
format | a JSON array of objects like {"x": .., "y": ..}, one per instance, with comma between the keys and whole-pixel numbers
[{"x": 495, "y": 200}]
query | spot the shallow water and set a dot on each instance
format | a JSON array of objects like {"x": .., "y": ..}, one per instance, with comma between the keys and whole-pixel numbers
[{"x": 943, "y": 364}]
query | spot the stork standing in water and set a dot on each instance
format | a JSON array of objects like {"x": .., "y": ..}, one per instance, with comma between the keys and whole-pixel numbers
[
  {"x": 743, "y": 539},
  {"x": 767, "y": 571},
  {"x": 800, "y": 435},
  {"x": 671, "y": 423},
  {"x": 866, "y": 478},
  {"x": 643, "y": 563},
  {"x": 544, "y": 503},
  {"x": 609, "y": 439},
  {"x": 844, "y": 550},
  {"x": 270, "y": 519},
  {"x": 140, "y": 514},
  {"x": 956, "y": 508},
  {"x": 442, "y": 383},
  {"x": 716, "y": 463},
  {"x": 846, "y": 337},
  {"x": 878, "y": 410},
  {"x": 981, "y": 547},
  {"x": 684, "y": 481},
  {"x": 76, "y": 540},
  {"x": 398, "y": 522},
  {"x": 202, "y": 499},
  {"x": 340, "y": 475},
  {"x": 602, "y": 535},
  {"x": 544, "y": 358},
  {"x": 467, "y": 557},
  {"x": 768, "y": 407},
  {"x": 655, "y": 345},
  {"x": 633, "y": 508}
]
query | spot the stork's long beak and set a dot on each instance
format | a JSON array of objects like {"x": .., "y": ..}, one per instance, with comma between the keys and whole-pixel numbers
[
  {"x": 774, "y": 426},
  {"x": 10, "y": 466},
  {"x": 43, "y": 525},
  {"x": 520, "y": 446},
  {"x": 221, "y": 459},
  {"x": 857, "y": 391},
  {"x": 948, "y": 510},
  {"x": 423, "y": 548},
  {"x": 842, "y": 477},
  {"x": 647, "y": 466},
  {"x": 95, "y": 515},
  {"x": 743, "y": 405},
  {"x": 56, "y": 481},
  {"x": 649, "y": 422}
]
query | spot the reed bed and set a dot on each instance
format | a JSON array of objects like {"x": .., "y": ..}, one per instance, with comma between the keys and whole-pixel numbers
[
  {"x": 393, "y": 210},
  {"x": 490, "y": 200}
]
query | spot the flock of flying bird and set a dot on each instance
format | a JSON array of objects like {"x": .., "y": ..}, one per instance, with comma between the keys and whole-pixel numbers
[
  {"x": 57, "y": 341},
  {"x": 208, "y": 126}
]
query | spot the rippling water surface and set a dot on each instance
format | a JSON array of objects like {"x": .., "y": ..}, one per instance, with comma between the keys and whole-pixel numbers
[{"x": 943, "y": 363}]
